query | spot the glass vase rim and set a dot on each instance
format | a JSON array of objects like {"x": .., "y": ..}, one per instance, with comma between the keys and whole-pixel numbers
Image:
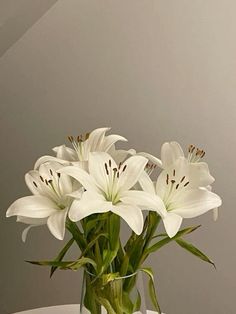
[{"x": 116, "y": 278}]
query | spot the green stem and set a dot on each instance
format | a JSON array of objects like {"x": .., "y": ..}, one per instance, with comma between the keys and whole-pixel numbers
[
  {"x": 112, "y": 266},
  {"x": 77, "y": 234},
  {"x": 153, "y": 223},
  {"x": 142, "y": 241}
]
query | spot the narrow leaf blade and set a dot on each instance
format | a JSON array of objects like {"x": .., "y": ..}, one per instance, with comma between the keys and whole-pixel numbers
[
  {"x": 74, "y": 265},
  {"x": 151, "y": 286},
  {"x": 167, "y": 240},
  {"x": 193, "y": 250},
  {"x": 61, "y": 255}
]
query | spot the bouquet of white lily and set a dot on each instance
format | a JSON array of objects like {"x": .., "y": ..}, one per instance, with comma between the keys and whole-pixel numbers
[{"x": 87, "y": 189}]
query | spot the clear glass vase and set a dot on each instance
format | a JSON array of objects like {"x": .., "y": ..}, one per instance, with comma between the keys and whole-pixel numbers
[{"x": 112, "y": 295}]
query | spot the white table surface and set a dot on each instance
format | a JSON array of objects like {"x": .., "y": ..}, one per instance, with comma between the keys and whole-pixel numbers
[{"x": 61, "y": 309}]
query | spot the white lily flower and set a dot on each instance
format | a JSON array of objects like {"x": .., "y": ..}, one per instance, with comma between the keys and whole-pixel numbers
[
  {"x": 177, "y": 195},
  {"x": 106, "y": 184},
  {"x": 49, "y": 203},
  {"x": 170, "y": 152},
  {"x": 96, "y": 141}
]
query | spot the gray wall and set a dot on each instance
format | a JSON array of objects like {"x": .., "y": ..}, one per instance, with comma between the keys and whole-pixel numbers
[
  {"x": 154, "y": 71},
  {"x": 17, "y": 16}
]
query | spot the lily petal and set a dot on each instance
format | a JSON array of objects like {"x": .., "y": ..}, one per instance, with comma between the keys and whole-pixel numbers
[
  {"x": 172, "y": 223},
  {"x": 44, "y": 159},
  {"x": 32, "y": 178},
  {"x": 25, "y": 232},
  {"x": 133, "y": 168},
  {"x": 94, "y": 140},
  {"x": 80, "y": 175},
  {"x": 81, "y": 164},
  {"x": 48, "y": 171},
  {"x": 81, "y": 209},
  {"x": 146, "y": 183},
  {"x": 77, "y": 194},
  {"x": 119, "y": 155},
  {"x": 169, "y": 153},
  {"x": 56, "y": 223},
  {"x": 34, "y": 206},
  {"x": 145, "y": 200},
  {"x": 180, "y": 168},
  {"x": 110, "y": 140},
  {"x": 97, "y": 170},
  {"x": 132, "y": 215},
  {"x": 151, "y": 158},
  {"x": 65, "y": 153},
  {"x": 199, "y": 175},
  {"x": 193, "y": 203},
  {"x": 215, "y": 214},
  {"x": 32, "y": 221}
]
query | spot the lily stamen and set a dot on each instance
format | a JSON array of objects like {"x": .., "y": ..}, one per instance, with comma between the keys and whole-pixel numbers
[
  {"x": 106, "y": 168},
  {"x": 182, "y": 179},
  {"x": 125, "y": 166},
  {"x": 174, "y": 187},
  {"x": 167, "y": 179},
  {"x": 195, "y": 154},
  {"x": 149, "y": 168}
]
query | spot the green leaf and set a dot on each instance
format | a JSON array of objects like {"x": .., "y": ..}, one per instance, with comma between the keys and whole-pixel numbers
[
  {"x": 61, "y": 255},
  {"x": 77, "y": 234},
  {"x": 127, "y": 305},
  {"x": 160, "y": 235},
  {"x": 114, "y": 243},
  {"x": 195, "y": 251},
  {"x": 153, "y": 222},
  {"x": 58, "y": 264},
  {"x": 94, "y": 221},
  {"x": 90, "y": 300},
  {"x": 151, "y": 287},
  {"x": 136, "y": 252},
  {"x": 167, "y": 240},
  {"x": 130, "y": 241},
  {"x": 82, "y": 262},
  {"x": 106, "y": 278},
  {"x": 74, "y": 265},
  {"x": 124, "y": 265},
  {"x": 114, "y": 231},
  {"x": 106, "y": 304},
  {"x": 92, "y": 242}
]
